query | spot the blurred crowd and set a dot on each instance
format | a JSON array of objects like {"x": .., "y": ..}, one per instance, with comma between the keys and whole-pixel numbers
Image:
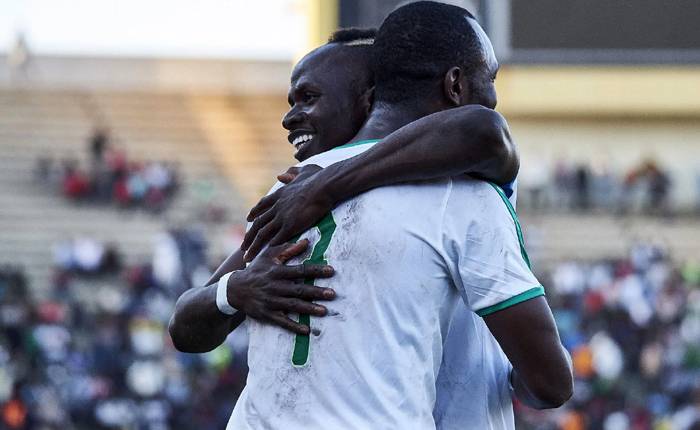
[
  {"x": 94, "y": 353},
  {"x": 632, "y": 327},
  {"x": 111, "y": 178},
  {"x": 87, "y": 256},
  {"x": 645, "y": 188}
]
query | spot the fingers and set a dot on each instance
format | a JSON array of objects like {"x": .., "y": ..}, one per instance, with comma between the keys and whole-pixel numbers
[
  {"x": 304, "y": 271},
  {"x": 289, "y": 175},
  {"x": 259, "y": 223},
  {"x": 286, "y": 178},
  {"x": 280, "y": 319},
  {"x": 291, "y": 251},
  {"x": 261, "y": 239},
  {"x": 305, "y": 292},
  {"x": 282, "y": 236},
  {"x": 309, "y": 169},
  {"x": 298, "y": 306},
  {"x": 263, "y": 205}
]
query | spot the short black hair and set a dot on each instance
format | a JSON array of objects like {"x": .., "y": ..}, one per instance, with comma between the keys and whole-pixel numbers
[
  {"x": 353, "y": 36},
  {"x": 419, "y": 42},
  {"x": 358, "y": 44}
]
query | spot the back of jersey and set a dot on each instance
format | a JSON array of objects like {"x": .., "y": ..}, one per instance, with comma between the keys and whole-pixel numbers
[
  {"x": 372, "y": 362},
  {"x": 403, "y": 255}
]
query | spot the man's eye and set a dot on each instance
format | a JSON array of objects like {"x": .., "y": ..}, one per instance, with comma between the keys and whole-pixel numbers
[{"x": 308, "y": 97}]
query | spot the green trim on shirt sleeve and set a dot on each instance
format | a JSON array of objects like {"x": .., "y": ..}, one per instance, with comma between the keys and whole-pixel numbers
[
  {"x": 513, "y": 215},
  {"x": 524, "y": 296}
]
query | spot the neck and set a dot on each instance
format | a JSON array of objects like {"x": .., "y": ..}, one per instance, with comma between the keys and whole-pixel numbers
[{"x": 386, "y": 118}]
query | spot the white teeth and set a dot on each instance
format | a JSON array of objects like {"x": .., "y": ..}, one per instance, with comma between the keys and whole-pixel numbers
[{"x": 302, "y": 139}]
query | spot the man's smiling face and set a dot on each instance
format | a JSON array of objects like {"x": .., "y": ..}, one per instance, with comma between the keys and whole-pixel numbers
[{"x": 325, "y": 101}]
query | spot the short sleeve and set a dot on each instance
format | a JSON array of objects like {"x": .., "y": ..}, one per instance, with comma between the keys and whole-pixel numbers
[{"x": 484, "y": 248}]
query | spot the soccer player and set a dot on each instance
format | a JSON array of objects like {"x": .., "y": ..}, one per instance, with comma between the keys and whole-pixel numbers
[
  {"x": 330, "y": 97},
  {"x": 378, "y": 146},
  {"x": 404, "y": 254},
  {"x": 315, "y": 113},
  {"x": 440, "y": 146}
]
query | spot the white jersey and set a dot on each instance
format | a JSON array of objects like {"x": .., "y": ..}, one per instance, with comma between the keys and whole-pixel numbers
[
  {"x": 404, "y": 257},
  {"x": 473, "y": 390}
]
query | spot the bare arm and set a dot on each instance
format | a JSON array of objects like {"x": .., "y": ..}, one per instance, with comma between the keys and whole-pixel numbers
[
  {"x": 470, "y": 140},
  {"x": 232, "y": 262},
  {"x": 264, "y": 291},
  {"x": 467, "y": 140},
  {"x": 542, "y": 375},
  {"x": 197, "y": 325}
]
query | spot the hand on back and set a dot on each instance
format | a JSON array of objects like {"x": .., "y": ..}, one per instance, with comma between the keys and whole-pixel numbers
[
  {"x": 268, "y": 289},
  {"x": 289, "y": 211}
]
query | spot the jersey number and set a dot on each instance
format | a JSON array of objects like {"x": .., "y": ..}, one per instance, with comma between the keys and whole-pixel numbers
[{"x": 302, "y": 343}]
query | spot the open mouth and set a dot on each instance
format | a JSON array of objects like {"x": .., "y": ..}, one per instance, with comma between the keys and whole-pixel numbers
[{"x": 301, "y": 139}]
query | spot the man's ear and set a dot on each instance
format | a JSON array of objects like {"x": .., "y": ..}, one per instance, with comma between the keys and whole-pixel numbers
[
  {"x": 454, "y": 87},
  {"x": 367, "y": 100}
]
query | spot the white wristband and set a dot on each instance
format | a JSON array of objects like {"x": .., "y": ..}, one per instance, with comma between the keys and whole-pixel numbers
[{"x": 221, "y": 297}]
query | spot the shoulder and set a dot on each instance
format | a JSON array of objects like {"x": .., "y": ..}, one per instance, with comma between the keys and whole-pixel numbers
[
  {"x": 479, "y": 201},
  {"x": 476, "y": 190}
]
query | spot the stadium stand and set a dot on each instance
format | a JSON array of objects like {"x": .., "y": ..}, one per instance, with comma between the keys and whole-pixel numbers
[
  {"x": 147, "y": 126},
  {"x": 95, "y": 354},
  {"x": 631, "y": 325},
  {"x": 253, "y": 123},
  {"x": 228, "y": 149},
  {"x": 555, "y": 237},
  {"x": 210, "y": 137}
]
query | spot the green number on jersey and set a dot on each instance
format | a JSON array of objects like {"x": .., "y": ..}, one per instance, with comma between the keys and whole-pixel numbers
[{"x": 302, "y": 343}]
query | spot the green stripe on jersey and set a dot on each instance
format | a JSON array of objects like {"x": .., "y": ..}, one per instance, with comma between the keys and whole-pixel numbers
[
  {"x": 302, "y": 343},
  {"x": 525, "y": 295},
  {"x": 513, "y": 215},
  {"x": 358, "y": 143}
]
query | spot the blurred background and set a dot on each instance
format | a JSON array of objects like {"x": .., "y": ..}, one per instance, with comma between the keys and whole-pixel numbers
[{"x": 135, "y": 135}]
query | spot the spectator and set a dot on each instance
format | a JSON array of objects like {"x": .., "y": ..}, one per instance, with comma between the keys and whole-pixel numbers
[
  {"x": 167, "y": 269},
  {"x": 98, "y": 143},
  {"x": 86, "y": 256},
  {"x": 75, "y": 183},
  {"x": 18, "y": 59},
  {"x": 98, "y": 356},
  {"x": 659, "y": 185},
  {"x": 42, "y": 170},
  {"x": 627, "y": 324},
  {"x": 113, "y": 178},
  {"x": 563, "y": 184},
  {"x": 582, "y": 187},
  {"x": 533, "y": 181}
]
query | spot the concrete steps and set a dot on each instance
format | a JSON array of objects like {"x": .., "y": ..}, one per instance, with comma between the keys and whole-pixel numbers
[
  {"x": 57, "y": 124},
  {"x": 553, "y": 238}
]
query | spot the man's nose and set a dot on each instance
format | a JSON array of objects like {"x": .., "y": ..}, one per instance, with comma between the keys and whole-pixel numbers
[{"x": 293, "y": 118}]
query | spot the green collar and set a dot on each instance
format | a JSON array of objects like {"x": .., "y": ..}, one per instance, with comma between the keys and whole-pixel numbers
[{"x": 360, "y": 142}]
